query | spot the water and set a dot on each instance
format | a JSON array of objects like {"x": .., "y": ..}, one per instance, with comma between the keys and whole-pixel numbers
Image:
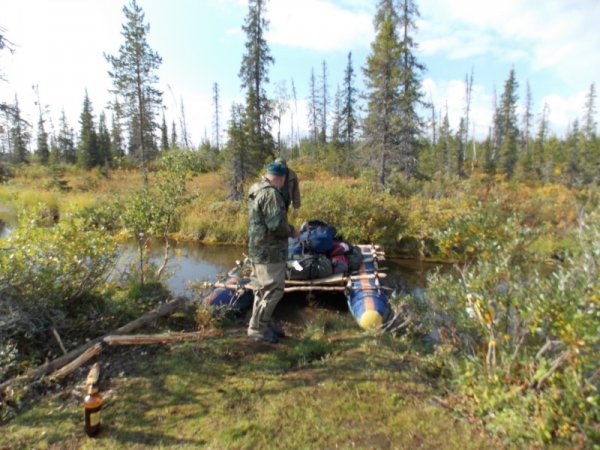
[
  {"x": 189, "y": 262},
  {"x": 195, "y": 262},
  {"x": 192, "y": 262}
]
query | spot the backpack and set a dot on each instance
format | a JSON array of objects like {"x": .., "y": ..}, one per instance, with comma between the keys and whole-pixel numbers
[
  {"x": 315, "y": 237},
  {"x": 355, "y": 258},
  {"x": 309, "y": 267}
]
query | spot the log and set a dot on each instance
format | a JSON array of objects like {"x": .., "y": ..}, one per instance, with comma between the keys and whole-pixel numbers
[
  {"x": 140, "y": 339},
  {"x": 78, "y": 362},
  {"x": 163, "y": 310}
]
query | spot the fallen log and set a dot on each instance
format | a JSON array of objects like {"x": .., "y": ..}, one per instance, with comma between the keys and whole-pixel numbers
[
  {"x": 78, "y": 362},
  {"x": 139, "y": 339},
  {"x": 49, "y": 367}
]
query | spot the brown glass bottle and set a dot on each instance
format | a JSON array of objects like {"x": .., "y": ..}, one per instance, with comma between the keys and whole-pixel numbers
[{"x": 92, "y": 403}]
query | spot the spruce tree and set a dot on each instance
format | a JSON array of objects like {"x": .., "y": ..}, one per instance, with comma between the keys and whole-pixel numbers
[
  {"x": 164, "y": 135},
  {"x": 19, "y": 137},
  {"x": 65, "y": 141},
  {"x": 509, "y": 129},
  {"x": 104, "y": 144},
  {"x": 349, "y": 120},
  {"x": 87, "y": 155},
  {"x": 323, "y": 104},
  {"x": 382, "y": 71},
  {"x": 254, "y": 79},
  {"x": 590, "y": 153},
  {"x": 216, "y": 117},
  {"x": 174, "y": 139},
  {"x": 411, "y": 96},
  {"x": 43, "y": 149},
  {"x": 134, "y": 79},
  {"x": 117, "y": 145},
  {"x": 237, "y": 151},
  {"x": 313, "y": 109}
]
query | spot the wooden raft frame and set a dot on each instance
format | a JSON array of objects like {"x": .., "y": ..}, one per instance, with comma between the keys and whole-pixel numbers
[{"x": 337, "y": 282}]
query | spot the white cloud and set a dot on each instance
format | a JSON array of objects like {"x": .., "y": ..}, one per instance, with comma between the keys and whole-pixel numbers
[
  {"x": 560, "y": 36},
  {"x": 318, "y": 25}
]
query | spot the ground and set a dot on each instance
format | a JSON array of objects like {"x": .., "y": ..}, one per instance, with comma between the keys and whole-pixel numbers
[{"x": 327, "y": 385}]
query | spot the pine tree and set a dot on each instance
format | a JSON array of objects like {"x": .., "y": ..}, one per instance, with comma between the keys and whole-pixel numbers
[
  {"x": 134, "y": 77},
  {"x": 349, "y": 120},
  {"x": 104, "y": 144},
  {"x": 19, "y": 137},
  {"x": 254, "y": 78},
  {"x": 88, "y": 155}
]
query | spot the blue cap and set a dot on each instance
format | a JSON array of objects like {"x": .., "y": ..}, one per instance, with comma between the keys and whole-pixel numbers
[{"x": 276, "y": 169}]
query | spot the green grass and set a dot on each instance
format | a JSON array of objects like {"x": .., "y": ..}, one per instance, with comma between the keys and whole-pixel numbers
[{"x": 326, "y": 386}]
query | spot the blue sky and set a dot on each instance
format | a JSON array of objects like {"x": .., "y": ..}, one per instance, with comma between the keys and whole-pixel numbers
[{"x": 60, "y": 44}]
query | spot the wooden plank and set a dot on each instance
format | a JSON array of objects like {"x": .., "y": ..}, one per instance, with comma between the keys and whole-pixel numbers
[{"x": 314, "y": 288}]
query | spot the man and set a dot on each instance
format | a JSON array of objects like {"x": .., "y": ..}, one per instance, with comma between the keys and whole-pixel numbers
[
  {"x": 268, "y": 244},
  {"x": 291, "y": 188}
]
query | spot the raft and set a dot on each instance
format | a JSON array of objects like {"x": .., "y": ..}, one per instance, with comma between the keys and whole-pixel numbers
[{"x": 365, "y": 293}]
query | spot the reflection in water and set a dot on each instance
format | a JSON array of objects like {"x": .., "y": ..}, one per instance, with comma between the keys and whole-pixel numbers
[{"x": 188, "y": 262}]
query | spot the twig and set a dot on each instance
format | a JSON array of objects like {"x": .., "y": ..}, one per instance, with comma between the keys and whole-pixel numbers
[
  {"x": 555, "y": 365},
  {"x": 59, "y": 340}
]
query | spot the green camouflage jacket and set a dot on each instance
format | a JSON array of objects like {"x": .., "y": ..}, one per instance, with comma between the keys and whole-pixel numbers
[{"x": 268, "y": 226}]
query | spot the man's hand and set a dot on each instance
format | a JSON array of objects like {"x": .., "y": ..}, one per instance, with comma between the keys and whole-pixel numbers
[
  {"x": 295, "y": 232},
  {"x": 295, "y": 213}
]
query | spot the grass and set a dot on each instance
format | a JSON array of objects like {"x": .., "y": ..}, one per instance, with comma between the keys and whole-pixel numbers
[{"x": 326, "y": 386}]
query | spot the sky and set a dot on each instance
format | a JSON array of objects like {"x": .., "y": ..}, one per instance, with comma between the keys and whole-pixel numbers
[{"x": 59, "y": 45}]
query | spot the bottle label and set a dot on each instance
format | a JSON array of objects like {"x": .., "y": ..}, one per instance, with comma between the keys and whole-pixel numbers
[{"x": 94, "y": 418}]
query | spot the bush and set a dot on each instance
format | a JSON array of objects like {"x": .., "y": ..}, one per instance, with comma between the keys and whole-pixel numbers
[
  {"x": 49, "y": 273},
  {"x": 524, "y": 338}
]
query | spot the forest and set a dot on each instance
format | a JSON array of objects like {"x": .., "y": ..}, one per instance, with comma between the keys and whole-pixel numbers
[{"x": 514, "y": 217}]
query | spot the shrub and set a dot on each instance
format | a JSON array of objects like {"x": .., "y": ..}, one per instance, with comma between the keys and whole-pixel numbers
[
  {"x": 47, "y": 273},
  {"x": 525, "y": 337}
]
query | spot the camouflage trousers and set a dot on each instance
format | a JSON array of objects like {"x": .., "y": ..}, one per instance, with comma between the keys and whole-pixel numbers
[{"x": 268, "y": 281}]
